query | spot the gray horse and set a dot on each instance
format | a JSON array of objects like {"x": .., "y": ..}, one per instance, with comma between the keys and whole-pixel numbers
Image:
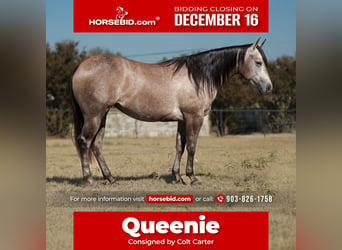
[{"x": 181, "y": 89}]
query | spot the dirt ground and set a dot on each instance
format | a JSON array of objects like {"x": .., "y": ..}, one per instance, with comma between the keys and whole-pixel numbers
[{"x": 253, "y": 165}]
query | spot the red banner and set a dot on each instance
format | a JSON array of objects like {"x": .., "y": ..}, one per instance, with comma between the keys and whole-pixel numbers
[
  {"x": 170, "y": 16},
  {"x": 166, "y": 230}
]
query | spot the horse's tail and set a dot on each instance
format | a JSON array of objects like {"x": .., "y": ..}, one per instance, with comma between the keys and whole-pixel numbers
[{"x": 78, "y": 120}]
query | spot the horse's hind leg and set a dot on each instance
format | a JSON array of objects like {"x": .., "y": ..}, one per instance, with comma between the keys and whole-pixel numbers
[
  {"x": 180, "y": 145},
  {"x": 97, "y": 150},
  {"x": 84, "y": 140},
  {"x": 193, "y": 127}
]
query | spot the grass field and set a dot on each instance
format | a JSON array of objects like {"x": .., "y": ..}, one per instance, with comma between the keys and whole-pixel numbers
[{"x": 232, "y": 164}]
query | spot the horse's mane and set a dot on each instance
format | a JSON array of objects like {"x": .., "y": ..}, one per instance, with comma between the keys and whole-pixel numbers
[{"x": 212, "y": 67}]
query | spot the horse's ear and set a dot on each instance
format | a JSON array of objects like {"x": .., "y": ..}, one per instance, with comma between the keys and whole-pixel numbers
[
  {"x": 256, "y": 43},
  {"x": 262, "y": 43}
]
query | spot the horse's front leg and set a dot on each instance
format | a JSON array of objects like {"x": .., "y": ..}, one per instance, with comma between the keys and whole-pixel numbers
[
  {"x": 193, "y": 127},
  {"x": 180, "y": 146}
]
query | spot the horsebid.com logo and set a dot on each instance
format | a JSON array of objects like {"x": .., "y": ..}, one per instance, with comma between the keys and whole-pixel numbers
[{"x": 120, "y": 19}]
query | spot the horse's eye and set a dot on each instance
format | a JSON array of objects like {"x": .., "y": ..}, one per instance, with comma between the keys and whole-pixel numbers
[{"x": 258, "y": 63}]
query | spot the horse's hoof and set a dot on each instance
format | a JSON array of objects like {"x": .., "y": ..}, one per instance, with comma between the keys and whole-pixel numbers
[
  {"x": 180, "y": 181},
  {"x": 111, "y": 179},
  {"x": 196, "y": 183},
  {"x": 90, "y": 181}
]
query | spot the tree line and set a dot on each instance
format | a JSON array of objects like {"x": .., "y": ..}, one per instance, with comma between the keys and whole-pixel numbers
[{"x": 238, "y": 94}]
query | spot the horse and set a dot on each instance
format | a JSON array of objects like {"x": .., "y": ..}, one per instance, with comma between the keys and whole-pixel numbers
[
  {"x": 121, "y": 13},
  {"x": 181, "y": 90}
]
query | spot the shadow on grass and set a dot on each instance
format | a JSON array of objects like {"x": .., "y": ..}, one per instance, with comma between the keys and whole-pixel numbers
[{"x": 80, "y": 182}]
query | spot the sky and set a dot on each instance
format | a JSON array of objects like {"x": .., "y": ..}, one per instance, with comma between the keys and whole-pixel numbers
[{"x": 152, "y": 47}]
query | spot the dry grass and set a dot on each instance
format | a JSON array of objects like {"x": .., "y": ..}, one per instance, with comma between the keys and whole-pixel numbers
[{"x": 229, "y": 165}]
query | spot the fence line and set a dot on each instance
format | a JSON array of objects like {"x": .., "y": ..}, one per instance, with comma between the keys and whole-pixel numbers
[
  {"x": 58, "y": 110},
  {"x": 259, "y": 110},
  {"x": 244, "y": 121},
  {"x": 222, "y": 121}
]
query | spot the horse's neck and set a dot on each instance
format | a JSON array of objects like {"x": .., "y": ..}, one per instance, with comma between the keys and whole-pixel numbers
[
  {"x": 232, "y": 72},
  {"x": 235, "y": 69}
]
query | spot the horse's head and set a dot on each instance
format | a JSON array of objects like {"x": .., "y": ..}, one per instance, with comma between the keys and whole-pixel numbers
[
  {"x": 121, "y": 10},
  {"x": 254, "y": 67}
]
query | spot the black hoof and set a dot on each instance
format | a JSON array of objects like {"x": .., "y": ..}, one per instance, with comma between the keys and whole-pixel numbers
[
  {"x": 196, "y": 183},
  {"x": 111, "y": 179}
]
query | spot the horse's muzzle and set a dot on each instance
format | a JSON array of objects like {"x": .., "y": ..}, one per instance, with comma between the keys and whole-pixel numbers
[{"x": 269, "y": 88}]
